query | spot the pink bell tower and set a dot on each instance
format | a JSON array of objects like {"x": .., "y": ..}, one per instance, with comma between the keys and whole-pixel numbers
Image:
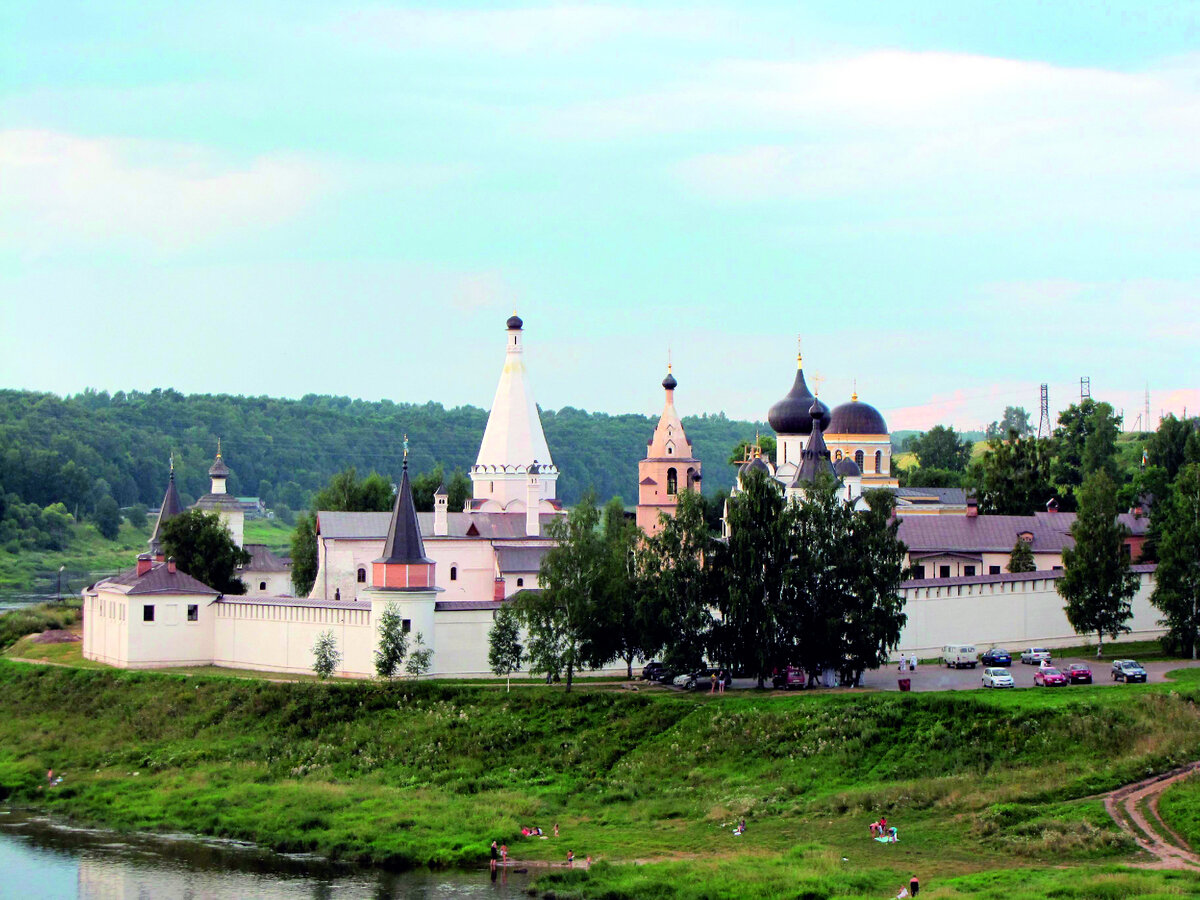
[{"x": 669, "y": 466}]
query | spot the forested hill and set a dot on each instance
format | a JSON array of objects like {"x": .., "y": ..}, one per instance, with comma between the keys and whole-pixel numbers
[{"x": 80, "y": 448}]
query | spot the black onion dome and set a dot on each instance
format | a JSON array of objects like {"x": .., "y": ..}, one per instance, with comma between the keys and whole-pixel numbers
[
  {"x": 856, "y": 417},
  {"x": 669, "y": 382},
  {"x": 218, "y": 469},
  {"x": 792, "y": 415},
  {"x": 515, "y": 323},
  {"x": 847, "y": 467}
]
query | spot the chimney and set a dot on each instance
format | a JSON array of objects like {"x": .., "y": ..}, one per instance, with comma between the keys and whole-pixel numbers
[
  {"x": 533, "y": 498},
  {"x": 144, "y": 564},
  {"x": 972, "y": 506},
  {"x": 171, "y": 564},
  {"x": 498, "y": 590},
  {"x": 1052, "y": 505},
  {"x": 441, "y": 510},
  {"x": 160, "y": 556}
]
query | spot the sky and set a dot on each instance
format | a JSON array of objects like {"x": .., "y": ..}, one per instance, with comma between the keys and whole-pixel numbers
[{"x": 948, "y": 204}]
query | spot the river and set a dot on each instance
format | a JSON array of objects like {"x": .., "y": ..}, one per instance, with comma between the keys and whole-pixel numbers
[{"x": 44, "y": 860}]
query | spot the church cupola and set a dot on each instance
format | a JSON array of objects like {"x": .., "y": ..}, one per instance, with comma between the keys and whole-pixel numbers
[
  {"x": 218, "y": 472},
  {"x": 403, "y": 564},
  {"x": 441, "y": 511}
]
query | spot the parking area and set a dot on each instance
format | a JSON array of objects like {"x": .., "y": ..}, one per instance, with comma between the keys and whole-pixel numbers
[{"x": 931, "y": 677}]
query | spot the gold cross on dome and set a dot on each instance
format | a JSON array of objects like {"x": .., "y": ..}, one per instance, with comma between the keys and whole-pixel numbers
[
  {"x": 817, "y": 379},
  {"x": 406, "y": 446}
]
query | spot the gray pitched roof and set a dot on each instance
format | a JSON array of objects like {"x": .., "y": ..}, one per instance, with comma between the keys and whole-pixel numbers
[
  {"x": 520, "y": 560},
  {"x": 158, "y": 581},
  {"x": 977, "y": 534},
  {"x": 171, "y": 507},
  {"x": 1006, "y": 577},
  {"x": 263, "y": 560},
  {"x": 403, "y": 542},
  {"x": 374, "y": 525}
]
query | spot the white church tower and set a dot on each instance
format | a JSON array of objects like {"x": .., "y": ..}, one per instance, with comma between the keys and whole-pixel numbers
[{"x": 513, "y": 442}]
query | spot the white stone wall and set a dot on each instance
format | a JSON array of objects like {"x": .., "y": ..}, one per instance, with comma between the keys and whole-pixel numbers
[
  {"x": 473, "y": 563},
  {"x": 276, "y": 638},
  {"x": 1012, "y": 614},
  {"x": 115, "y": 633},
  {"x": 267, "y": 584}
]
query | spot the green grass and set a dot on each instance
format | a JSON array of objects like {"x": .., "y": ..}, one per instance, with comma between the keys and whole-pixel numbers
[
  {"x": 992, "y": 793},
  {"x": 88, "y": 554},
  {"x": 17, "y": 623},
  {"x": 1179, "y": 807},
  {"x": 272, "y": 532}
]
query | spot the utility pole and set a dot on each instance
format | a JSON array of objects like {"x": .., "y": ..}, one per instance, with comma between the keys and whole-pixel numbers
[
  {"x": 1085, "y": 388},
  {"x": 1044, "y": 422}
]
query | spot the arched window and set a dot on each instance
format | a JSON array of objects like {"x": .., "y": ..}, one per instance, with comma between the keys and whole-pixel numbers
[
  {"x": 262, "y": 585},
  {"x": 454, "y": 573},
  {"x": 878, "y": 461},
  {"x": 672, "y": 482},
  {"x": 520, "y": 582},
  {"x": 837, "y": 456},
  {"x": 859, "y": 459},
  {"x": 362, "y": 576}
]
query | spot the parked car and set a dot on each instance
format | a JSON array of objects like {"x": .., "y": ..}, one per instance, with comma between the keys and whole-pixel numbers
[
  {"x": 652, "y": 670},
  {"x": 1127, "y": 670},
  {"x": 958, "y": 656},
  {"x": 1035, "y": 656},
  {"x": 1078, "y": 673},
  {"x": 790, "y": 677},
  {"x": 997, "y": 678},
  {"x": 1048, "y": 676},
  {"x": 997, "y": 656},
  {"x": 666, "y": 675},
  {"x": 690, "y": 681},
  {"x": 685, "y": 680}
]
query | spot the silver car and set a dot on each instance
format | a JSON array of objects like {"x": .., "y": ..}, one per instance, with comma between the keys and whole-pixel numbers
[
  {"x": 997, "y": 678},
  {"x": 1035, "y": 656}
]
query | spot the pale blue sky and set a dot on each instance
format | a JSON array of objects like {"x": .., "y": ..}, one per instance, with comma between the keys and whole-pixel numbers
[{"x": 950, "y": 202}]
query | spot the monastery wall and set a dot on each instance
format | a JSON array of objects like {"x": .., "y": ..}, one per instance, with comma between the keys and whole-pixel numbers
[
  {"x": 279, "y": 638},
  {"x": 114, "y": 631},
  {"x": 1006, "y": 613}
]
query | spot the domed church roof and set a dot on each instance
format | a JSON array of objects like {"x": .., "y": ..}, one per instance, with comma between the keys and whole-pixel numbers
[
  {"x": 791, "y": 415},
  {"x": 847, "y": 467},
  {"x": 515, "y": 323},
  {"x": 856, "y": 417}
]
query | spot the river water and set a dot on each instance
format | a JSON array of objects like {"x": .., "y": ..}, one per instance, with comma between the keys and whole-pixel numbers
[{"x": 44, "y": 860}]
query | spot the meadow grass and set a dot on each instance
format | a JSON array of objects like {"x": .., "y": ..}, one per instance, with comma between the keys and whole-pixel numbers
[
  {"x": 15, "y": 624},
  {"x": 428, "y": 773},
  {"x": 88, "y": 553},
  {"x": 272, "y": 532}
]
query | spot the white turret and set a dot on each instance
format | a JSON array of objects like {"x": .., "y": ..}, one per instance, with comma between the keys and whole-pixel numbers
[
  {"x": 533, "y": 497},
  {"x": 441, "y": 509},
  {"x": 513, "y": 439}
]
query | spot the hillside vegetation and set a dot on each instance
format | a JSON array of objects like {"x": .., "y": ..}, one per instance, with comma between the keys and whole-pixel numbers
[
  {"x": 56, "y": 449},
  {"x": 993, "y": 796}
]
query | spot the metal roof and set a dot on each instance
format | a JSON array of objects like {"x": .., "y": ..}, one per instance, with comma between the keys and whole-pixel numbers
[
  {"x": 1005, "y": 577},
  {"x": 157, "y": 581}
]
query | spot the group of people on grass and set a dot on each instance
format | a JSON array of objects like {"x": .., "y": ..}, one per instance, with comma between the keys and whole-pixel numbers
[
  {"x": 499, "y": 851},
  {"x": 883, "y": 832}
]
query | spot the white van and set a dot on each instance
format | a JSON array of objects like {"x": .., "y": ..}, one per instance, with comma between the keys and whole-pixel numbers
[{"x": 959, "y": 656}]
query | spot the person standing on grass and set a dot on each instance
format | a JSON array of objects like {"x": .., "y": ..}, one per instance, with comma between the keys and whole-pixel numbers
[
  {"x": 914, "y": 886},
  {"x": 713, "y": 689},
  {"x": 570, "y": 859},
  {"x": 556, "y": 829},
  {"x": 720, "y": 681}
]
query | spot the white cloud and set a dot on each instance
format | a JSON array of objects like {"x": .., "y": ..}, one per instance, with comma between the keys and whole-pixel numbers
[
  {"x": 948, "y": 128},
  {"x": 555, "y": 28},
  {"x": 62, "y": 188}
]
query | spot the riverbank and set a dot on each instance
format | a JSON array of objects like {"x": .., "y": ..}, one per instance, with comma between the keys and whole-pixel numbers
[{"x": 986, "y": 790}]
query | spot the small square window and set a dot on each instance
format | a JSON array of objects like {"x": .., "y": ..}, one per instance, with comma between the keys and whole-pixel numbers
[
  {"x": 406, "y": 626},
  {"x": 943, "y": 572},
  {"x": 993, "y": 570},
  {"x": 148, "y": 612},
  {"x": 968, "y": 570},
  {"x": 193, "y": 612}
]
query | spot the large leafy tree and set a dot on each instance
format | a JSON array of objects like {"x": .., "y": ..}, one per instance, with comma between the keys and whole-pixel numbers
[
  {"x": 1177, "y": 578},
  {"x": 558, "y": 618},
  {"x": 1085, "y": 441},
  {"x": 458, "y": 488},
  {"x": 617, "y": 627},
  {"x": 1015, "y": 419},
  {"x": 1021, "y": 559},
  {"x": 108, "y": 517},
  {"x": 751, "y": 567},
  {"x": 203, "y": 547},
  {"x": 1098, "y": 582},
  {"x": 1168, "y": 446},
  {"x": 346, "y": 492},
  {"x": 941, "y": 448},
  {"x": 678, "y": 596},
  {"x": 1013, "y": 476}
]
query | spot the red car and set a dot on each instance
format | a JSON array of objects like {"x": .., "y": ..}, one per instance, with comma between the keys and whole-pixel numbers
[
  {"x": 1078, "y": 673},
  {"x": 1048, "y": 676}
]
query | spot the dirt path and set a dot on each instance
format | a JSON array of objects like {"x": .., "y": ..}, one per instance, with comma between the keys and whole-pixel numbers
[{"x": 1135, "y": 808}]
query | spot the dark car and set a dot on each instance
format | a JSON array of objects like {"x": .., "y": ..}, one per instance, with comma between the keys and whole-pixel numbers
[
  {"x": 1127, "y": 670},
  {"x": 652, "y": 671},
  {"x": 1078, "y": 673},
  {"x": 791, "y": 677},
  {"x": 997, "y": 656}
]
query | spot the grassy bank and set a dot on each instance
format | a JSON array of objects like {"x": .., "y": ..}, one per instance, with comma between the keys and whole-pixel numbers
[
  {"x": 87, "y": 553},
  {"x": 15, "y": 624},
  {"x": 429, "y": 774},
  {"x": 272, "y": 532}
]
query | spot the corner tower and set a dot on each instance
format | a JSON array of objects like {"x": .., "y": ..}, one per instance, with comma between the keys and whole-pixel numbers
[
  {"x": 668, "y": 468},
  {"x": 171, "y": 507},
  {"x": 513, "y": 440}
]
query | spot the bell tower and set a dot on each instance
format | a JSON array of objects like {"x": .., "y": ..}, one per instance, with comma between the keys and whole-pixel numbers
[{"x": 669, "y": 466}]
